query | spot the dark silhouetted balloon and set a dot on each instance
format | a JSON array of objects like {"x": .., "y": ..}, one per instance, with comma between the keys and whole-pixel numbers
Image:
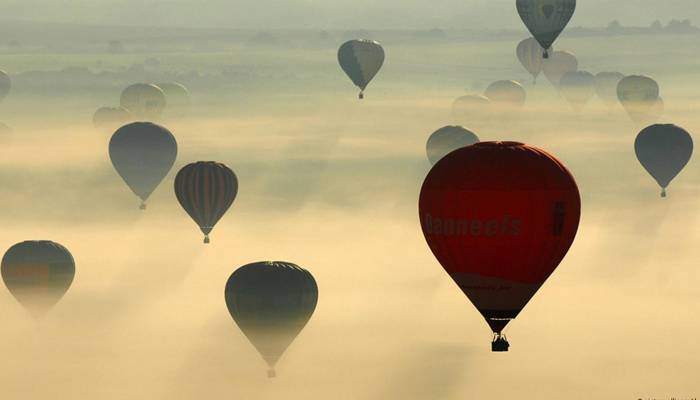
[
  {"x": 361, "y": 60},
  {"x": 177, "y": 98},
  {"x": 5, "y": 84},
  {"x": 206, "y": 190},
  {"x": 499, "y": 217},
  {"x": 506, "y": 94},
  {"x": 638, "y": 95},
  {"x": 110, "y": 117},
  {"x": 38, "y": 273},
  {"x": 663, "y": 150},
  {"x": 546, "y": 19},
  {"x": 578, "y": 88},
  {"x": 142, "y": 153},
  {"x": 529, "y": 54},
  {"x": 557, "y": 65},
  {"x": 447, "y": 139},
  {"x": 144, "y": 101},
  {"x": 606, "y": 86},
  {"x": 271, "y": 302}
]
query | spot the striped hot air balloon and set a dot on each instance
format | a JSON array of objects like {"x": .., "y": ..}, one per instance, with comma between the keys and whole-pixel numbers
[
  {"x": 361, "y": 60},
  {"x": 206, "y": 190}
]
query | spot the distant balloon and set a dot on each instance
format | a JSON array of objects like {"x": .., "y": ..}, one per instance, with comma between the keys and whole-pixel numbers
[
  {"x": 5, "y": 84},
  {"x": 38, "y": 273},
  {"x": 606, "y": 86},
  {"x": 110, "y": 117},
  {"x": 663, "y": 150},
  {"x": 271, "y": 302},
  {"x": 361, "y": 60},
  {"x": 557, "y": 65},
  {"x": 144, "y": 101},
  {"x": 509, "y": 94},
  {"x": 447, "y": 139},
  {"x": 177, "y": 98},
  {"x": 206, "y": 190},
  {"x": 578, "y": 88},
  {"x": 142, "y": 153},
  {"x": 638, "y": 94},
  {"x": 499, "y": 217},
  {"x": 529, "y": 54},
  {"x": 467, "y": 109},
  {"x": 546, "y": 19}
]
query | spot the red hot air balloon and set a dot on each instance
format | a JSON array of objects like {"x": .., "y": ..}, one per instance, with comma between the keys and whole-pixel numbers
[{"x": 499, "y": 217}]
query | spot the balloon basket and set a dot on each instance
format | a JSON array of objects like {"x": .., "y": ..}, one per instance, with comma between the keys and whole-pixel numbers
[
  {"x": 206, "y": 240},
  {"x": 663, "y": 194},
  {"x": 271, "y": 373},
  {"x": 361, "y": 96},
  {"x": 499, "y": 344},
  {"x": 142, "y": 206}
]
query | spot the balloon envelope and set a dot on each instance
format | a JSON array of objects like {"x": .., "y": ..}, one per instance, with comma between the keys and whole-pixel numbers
[
  {"x": 578, "y": 88},
  {"x": 557, "y": 65},
  {"x": 546, "y": 19},
  {"x": 638, "y": 94},
  {"x": 361, "y": 60},
  {"x": 529, "y": 54},
  {"x": 177, "y": 98},
  {"x": 38, "y": 273},
  {"x": 447, "y": 139},
  {"x": 142, "y": 153},
  {"x": 499, "y": 217},
  {"x": 663, "y": 150},
  {"x": 506, "y": 94},
  {"x": 206, "y": 190},
  {"x": 271, "y": 302},
  {"x": 145, "y": 101}
]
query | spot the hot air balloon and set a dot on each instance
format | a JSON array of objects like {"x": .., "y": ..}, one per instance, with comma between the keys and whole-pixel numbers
[
  {"x": 38, "y": 273},
  {"x": 529, "y": 54},
  {"x": 271, "y": 302},
  {"x": 177, "y": 98},
  {"x": 361, "y": 60},
  {"x": 206, "y": 190},
  {"x": 499, "y": 217},
  {"x": 578, "y": 88},
  {"x": 638, "y": 94},
  {"x": 447, "y": 139},
  {"x": 546, "y": 19},
  {"x": 557, "y": 65},
  {"x": 5, "y": 84},
  {"x": 142, "y": 153},
  {"x": 467, "y": 109},
  {"x": 606, "y": 86},
  {"x": 110, "y": 117},
  {"x": 506, "y": 94},
  {"x": 663, "y": 150},
  {"x": 145, "y": 101}
]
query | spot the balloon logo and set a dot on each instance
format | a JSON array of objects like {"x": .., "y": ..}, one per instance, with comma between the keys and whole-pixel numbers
[
  {"x": 38, "y": 273},
  {"x": 271, "y": 302},
  {"x": 206, "y": 190},
  {"x": 499, "y": 217}
]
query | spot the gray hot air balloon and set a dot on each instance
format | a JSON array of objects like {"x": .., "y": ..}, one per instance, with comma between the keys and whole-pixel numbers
[
  {"x": 546, "y": 19},
  {"x": 142, "y": 153},
  {"x": 361, "y": 60},
  {"x": 271, "y": 302},
  {"x": 144, "y": 101},
  {"x": 578, "y": 88},
  {"x": 557, "y": 65},
  {"x": 177, "y": 98},
  {"x": 529, "y": 54},
  {"x": 448, "y": 139},
  {"x": 606, "y": 86},
  {"x": 38, "y": 273},
  {"x": 638, "y": 94},
  {"x": 5, "y": 84},
  {"x": 663, "y": 150},
  {"x": 506, "y": 94},
  {"x": 110, "y": 117}
]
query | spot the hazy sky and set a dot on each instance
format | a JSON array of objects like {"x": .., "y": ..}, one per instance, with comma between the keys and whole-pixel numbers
[{"x": 330, "y": 14}]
